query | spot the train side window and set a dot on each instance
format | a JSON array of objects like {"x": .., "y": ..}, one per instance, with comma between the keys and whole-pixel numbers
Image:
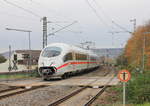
[
  {"x": 68, "y": 57},
  {"x": 93, "y": 58},
  {"x": 81, "y": 56},
  {"x": 76, "y": 56}
]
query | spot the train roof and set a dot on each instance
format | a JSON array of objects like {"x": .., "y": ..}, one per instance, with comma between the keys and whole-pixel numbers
[{"x": 68, "y": 47}]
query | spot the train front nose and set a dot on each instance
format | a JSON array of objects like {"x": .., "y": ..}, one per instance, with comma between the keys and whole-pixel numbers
[
  {"x": 47, "y": 67},
  {"x": 48, "y": 71}
]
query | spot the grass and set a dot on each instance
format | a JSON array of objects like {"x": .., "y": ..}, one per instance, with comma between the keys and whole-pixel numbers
[
  {"x": 114, "y": 94},
  {"x": 19, "y": 75},
  {"x": 146, "y": 104}
]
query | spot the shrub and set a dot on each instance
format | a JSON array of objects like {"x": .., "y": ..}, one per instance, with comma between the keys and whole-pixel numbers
[
  {"x": 138, "y": 89},
  {"x": 2, "y": 59}
]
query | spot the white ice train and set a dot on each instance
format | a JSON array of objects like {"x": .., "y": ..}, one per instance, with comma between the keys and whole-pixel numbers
[{"x": 61, "y": 60}]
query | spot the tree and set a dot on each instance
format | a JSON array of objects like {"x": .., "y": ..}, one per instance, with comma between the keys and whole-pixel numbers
[
  {"x": 134, "y": 48},
  {"x": 2, "y": 59}
]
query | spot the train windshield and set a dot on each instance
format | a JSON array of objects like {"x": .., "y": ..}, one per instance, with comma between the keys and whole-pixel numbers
[{"x": 51, "y": 51}]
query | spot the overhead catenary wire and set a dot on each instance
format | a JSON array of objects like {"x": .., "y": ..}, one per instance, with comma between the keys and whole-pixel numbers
[
  {"x": 121, "y": 27},
  {"x": 110, "y": 19},
  {"x": 102, "y": 11},
  {"x": 29, "y": 11},
  {"x": 26, "y": 10},
  {"x": 52, "y": 10},
  {"x": 55, "y": 22},
  {"x": 96, "y": 13},
  {"x": 104, "y": 14},
  {"x": 13, "y": 14},
  {"x": 18, "y": 16},
  {"x": 61, "y": 28},
  {"x": 58, "y": 22},
  {"x": 30, "y": 6},
  {"x": 68, "y": 29}
]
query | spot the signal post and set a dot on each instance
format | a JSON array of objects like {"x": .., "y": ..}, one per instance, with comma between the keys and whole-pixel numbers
[{"x": 124, "y": 76}]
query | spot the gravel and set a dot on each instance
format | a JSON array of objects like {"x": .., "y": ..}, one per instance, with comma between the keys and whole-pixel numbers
[
  {"x": 39, "y": 97},
  {"x": 4, "y": 87},
  {"x": 47, "y": 95},
  {"x": 100, "y": 72}
]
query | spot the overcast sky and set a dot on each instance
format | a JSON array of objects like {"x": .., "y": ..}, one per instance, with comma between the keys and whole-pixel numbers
[{"x": 94, "y": 21}]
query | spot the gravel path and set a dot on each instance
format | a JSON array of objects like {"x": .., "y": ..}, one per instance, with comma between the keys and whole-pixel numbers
[{"x": 39, "y": 97}]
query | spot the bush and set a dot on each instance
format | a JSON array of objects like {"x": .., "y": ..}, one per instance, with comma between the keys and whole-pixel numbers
[
  {"x": 2, "y": 59},
  {"x": 138, "y": 89}
]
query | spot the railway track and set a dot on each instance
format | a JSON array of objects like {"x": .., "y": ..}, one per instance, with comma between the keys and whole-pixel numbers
[
  {"x": 15, "y": 91},
  {"x": 84, "y": 96},
  {"x": 95, "y": 97},
  {"x": 81, "y": 97},
  {"x": 9, "y": 89}
]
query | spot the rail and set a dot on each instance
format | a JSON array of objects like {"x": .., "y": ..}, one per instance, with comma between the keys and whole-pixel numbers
[
  {"x": 96, "y": 96},
  {"x": 12, "y": 92}
]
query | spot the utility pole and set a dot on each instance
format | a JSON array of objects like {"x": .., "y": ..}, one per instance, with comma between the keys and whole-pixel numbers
[
  {"x": 28, "y": 31},
  {"x": 143, "y": 52},
  {"x": 45, "y": 35},
  {"x": 134, "y": 24},
  {"x": 44, "y": 32},
  {"x": 82, "y": 45},
  {"x": 88, "y": 44},
  {"x": 10, "y": 67}
]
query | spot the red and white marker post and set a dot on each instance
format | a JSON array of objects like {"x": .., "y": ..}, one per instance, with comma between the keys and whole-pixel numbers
[{"x": 124, "y": 76}]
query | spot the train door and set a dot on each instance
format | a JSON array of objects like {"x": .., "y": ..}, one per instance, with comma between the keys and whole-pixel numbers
[
  {"x": 74, "y": 60},
  {"x": 88, "y": 61},
  {"x": 69, "y": 59}
]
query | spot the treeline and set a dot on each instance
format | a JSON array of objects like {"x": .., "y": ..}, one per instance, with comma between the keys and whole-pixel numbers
[
  {"x": 2, "y": 59},
  {"x": 136, "y": 50},
  {"x": 133, "y": 53}
]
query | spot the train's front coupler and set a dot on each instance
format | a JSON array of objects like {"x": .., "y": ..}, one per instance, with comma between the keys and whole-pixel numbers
[{"x": 47, "y": 71}]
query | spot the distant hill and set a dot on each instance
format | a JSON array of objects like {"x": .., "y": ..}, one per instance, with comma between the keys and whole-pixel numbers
[
  {"x": 6, "y": 54},
  {"x": 108, "y": 52}
]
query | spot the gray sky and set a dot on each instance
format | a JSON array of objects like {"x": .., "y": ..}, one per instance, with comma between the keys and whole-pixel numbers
[{"x": 93, "y": 28}]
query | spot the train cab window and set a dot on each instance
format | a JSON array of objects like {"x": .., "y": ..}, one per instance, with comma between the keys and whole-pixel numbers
[
  {"x": 51, "y": 51},
  {"x": 68, "y": 57}
]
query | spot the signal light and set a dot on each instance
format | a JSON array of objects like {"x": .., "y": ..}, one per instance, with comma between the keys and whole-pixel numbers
[{"x": 15, "y": 56}]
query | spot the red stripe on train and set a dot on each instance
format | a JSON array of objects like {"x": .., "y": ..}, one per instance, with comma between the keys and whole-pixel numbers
[{"x": 64, "y": 65}]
